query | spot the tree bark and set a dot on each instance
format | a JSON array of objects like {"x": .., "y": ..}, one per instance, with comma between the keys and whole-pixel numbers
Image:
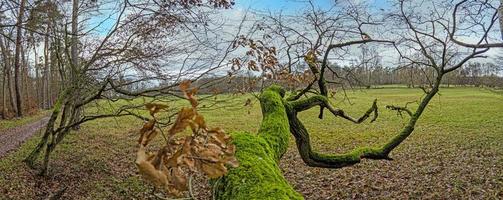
[
  {"x": 37, "y": 88},
  {"x": 4, "y": 96},
  {"x": 25, "y": 80},
  {"x": 49, "y": 131},
  {"x": 46, "y": 72},
  {"x": 5, "y": 79},
  {"x": 75, "y": 71},
  {"x": 7, "y": 73},
  {"x": 258, "y": 175},
  {"x": 17, "y": 59},
  {"x": 500, "y": 12}
]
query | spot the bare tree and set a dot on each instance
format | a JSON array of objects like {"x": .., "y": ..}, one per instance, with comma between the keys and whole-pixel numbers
[{"x": 158, "y": 44}]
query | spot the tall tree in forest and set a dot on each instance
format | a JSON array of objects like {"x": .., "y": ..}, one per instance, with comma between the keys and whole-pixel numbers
[
  {"x": 18, "y": 59},
  {"x": 7, "y": 89}
]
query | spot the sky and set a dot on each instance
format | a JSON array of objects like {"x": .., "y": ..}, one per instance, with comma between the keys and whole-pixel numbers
[
  {"x": 296, "y": 5},
  {"x": 285, "y": 6},
  {"x": 293, "y": 6},
  {"x": 278, "y": 5},
  {"x": 274, "y": 6}
]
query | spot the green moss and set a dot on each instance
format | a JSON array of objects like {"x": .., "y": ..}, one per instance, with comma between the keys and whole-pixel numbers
[
  {"x": 258, "y": 175},
  {"x": 274, "y": 128},
  {"x": 306, "y": 102}
]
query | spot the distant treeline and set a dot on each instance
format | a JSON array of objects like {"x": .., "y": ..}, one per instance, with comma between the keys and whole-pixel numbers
[{"x": 473, "y": 74}]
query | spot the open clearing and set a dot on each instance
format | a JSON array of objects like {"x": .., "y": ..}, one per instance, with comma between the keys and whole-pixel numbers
[{"x": 455, "y": 152}]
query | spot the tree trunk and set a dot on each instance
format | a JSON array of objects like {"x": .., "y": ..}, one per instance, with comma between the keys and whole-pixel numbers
[
  {"x": 38, "y": 83},
  {"x": 17, "y": 59},
  {"x": 49, "y": 131},
  {"x": 500, "y": 13},
  {"x": 7, "y": 72},
  {"x": 4, "y": 95},
  {"x": 258, "y": 175},
  {"x": 4, "y": 79},
  {"x": 75, "y": 71},
  {"x": 25, "y": 80},
  {"x": 46, "y": 72}
]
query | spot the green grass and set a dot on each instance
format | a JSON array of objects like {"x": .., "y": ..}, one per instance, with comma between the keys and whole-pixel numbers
[
  {"x": 11, "y": 123},
  {"x": 456, "y": 151}
]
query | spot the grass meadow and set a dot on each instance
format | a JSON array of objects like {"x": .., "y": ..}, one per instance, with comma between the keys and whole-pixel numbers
[{"x": 455, "y": 152}]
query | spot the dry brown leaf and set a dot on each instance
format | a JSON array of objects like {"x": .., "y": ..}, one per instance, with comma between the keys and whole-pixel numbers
[
  {"x": 184, "y": 85},
  {"x": 209, "y": 155},
  {"x": 148, "y": 136},
  {"x": 214, "y": 170},
  {"x": 173, "y": 191},
  {"x": 173, "y": 160},
  {"x": 199, "y": 120},
  {"x": 230, "y": 150},
  {"x": 179, "y": 179},
  {"x": 190, "y": 162},
  {"x": 206, "y": 151},
  {"x": 232, "y": 161},
  {"x": 154, "y": 108},
  {"x": 148, "y": 171},
  {"x": 219, "y": 137},
  {"x": 182, "y": 120},
  {"x": 146, "y": 128}
]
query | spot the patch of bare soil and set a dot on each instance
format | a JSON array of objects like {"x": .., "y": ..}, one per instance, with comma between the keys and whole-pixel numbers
[{"x": 11, "y": 139}]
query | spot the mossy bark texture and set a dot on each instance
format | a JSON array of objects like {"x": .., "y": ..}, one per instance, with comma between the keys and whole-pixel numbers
[{"x": 258, "y": 175}]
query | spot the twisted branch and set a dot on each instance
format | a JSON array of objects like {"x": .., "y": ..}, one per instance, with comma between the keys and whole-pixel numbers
[{"x": 315, "y": 159}]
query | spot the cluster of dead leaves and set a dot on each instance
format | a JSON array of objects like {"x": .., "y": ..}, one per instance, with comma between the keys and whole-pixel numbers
[
  {"x": 263, "y": 58},
  {"x": 260, "y": 56},
  {"x": 292, "y": 79},
  {"x": 207, "y": 150}
]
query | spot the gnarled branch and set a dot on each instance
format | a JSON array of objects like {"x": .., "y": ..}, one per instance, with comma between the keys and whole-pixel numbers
[
  {"x": 322, "y": 101},
  {"x": 315, "y": 159}
]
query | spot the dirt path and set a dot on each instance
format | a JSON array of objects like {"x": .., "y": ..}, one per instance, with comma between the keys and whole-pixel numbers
[{"x": 10, "y": 139}]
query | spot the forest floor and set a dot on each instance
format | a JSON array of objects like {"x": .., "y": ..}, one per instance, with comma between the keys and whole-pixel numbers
[
  {"x": 455, "y": 152},
  {"x": 12, "y": 138},
  {"x": 13, "y": 123}
]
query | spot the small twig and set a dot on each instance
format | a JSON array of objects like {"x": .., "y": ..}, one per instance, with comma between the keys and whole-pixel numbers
[
  {"x": 425, "y": 90},
  {"x": 191, "y": 192},
  {"x": 162, "y": 133},
  {"x": 400, "y": 109}
]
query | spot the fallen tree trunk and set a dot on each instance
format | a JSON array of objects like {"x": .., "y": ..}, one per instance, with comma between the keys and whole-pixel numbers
[{"x": 258, "y": 175}]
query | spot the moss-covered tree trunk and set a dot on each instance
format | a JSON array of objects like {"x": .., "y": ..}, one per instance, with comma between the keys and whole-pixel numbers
[{"x": 259, "y": 176}]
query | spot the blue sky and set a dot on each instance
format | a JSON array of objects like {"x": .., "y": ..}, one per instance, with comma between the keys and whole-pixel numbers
[
  {"x": 295, "y": 5},
  {"x": 286, "y": 6},
  {"x": 276, "y": 5}
]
